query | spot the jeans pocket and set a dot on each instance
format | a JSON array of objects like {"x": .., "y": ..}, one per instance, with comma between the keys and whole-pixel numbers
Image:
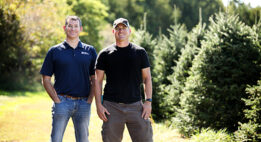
[{"x": 61, "y": 98}]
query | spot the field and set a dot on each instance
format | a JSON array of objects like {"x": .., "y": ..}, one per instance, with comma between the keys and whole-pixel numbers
[{"x": 26, "y": 117}]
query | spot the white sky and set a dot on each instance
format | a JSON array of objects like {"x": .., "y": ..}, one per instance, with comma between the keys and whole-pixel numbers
[{"x": 253, "y": 3}]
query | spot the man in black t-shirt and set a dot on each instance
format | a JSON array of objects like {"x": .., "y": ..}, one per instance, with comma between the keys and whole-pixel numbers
[{"x": 126, "y": 66}]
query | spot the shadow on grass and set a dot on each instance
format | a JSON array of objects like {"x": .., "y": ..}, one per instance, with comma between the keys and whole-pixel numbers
[
  {"x": 12, "y": 93},
  {"x": 17, "y": 90},
  {"x": 17, "y": 93}
]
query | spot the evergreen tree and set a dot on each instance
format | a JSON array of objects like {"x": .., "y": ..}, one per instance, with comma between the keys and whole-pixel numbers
[
  {"x": 181, "y": 70},
  {"x": 189, "y": 10},
  {"x": 145, "y": 40},
  {"x": 251, "y": 130},
  {"x": 246, "y": 13},
  {"x": 166, "y": 55},
  {"x": 257, "y": 29},
  {"x": 228, "y": 61}
]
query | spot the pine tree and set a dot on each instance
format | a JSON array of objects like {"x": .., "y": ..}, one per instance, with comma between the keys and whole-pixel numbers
[
  {"x": 166, "y": 54},
  {"x": 228, "y": 61},
  {"x": 145, "y": 40},
  {"x": 181, "y": 71},
  {"x": 251, "y": 130}
]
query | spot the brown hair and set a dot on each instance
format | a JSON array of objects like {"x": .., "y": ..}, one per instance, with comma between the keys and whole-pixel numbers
[{"x": 75, "y": 18}]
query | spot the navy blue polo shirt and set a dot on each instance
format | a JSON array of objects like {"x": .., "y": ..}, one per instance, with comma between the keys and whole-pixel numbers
[{"x": 72, "y": 68}]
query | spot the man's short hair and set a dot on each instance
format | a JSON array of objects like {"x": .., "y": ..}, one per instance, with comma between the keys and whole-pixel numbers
[{"x": 75, "y": 18}]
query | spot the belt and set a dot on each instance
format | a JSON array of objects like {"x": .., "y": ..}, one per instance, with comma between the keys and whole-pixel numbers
[
  {"x": 72, "y": 97},
  {"x": 126, "y": 103}
]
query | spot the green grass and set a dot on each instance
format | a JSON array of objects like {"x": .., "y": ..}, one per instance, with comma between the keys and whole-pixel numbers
[
  {"x": 208, "y": 135},
  {"x": 26, "y": 117}
]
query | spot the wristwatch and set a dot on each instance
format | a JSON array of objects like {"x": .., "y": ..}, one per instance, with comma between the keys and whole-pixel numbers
[{"x": 149, "y": 100}]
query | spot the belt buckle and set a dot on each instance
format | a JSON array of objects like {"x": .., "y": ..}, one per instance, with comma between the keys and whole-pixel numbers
[{"x": 74, "y": 98}]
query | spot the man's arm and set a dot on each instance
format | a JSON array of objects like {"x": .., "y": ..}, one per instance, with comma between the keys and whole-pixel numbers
[
  {"x": 92, "y": 91},
  {"x": 46, "y": 81},
  {"x": 101, "y": 110},
  {"x": 146, "y": 76}
]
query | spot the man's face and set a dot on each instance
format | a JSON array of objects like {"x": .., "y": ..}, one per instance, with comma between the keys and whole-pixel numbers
[
  {"x": 121, "y": 32},
  {"x": 72, "y": 29}
]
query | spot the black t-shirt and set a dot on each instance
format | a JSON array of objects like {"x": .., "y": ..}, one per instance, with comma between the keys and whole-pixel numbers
[{"x": 122, "y": 67}]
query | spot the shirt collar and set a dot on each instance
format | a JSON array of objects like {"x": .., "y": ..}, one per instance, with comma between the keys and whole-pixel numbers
[{"x": 66, "y": 45}]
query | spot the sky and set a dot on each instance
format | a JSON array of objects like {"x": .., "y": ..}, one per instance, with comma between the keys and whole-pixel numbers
[{"x": 253, "y": 3}]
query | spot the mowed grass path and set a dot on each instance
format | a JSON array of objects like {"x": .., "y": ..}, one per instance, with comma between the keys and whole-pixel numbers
[{"x": 26, "y": 117}]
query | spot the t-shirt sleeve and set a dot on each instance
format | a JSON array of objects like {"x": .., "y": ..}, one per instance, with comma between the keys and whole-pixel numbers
[
  {"x": 94, "y": 56},
  {"x": 100, "y": 62},
  {"x": 47, "y": 67},
  {"x": 144, "y": 59}
]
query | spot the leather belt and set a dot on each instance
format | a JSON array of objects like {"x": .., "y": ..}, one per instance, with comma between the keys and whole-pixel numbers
[{"x": 72, "y": 97}]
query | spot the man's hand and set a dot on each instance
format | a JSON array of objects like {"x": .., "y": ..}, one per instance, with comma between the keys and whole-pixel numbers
[
  {"x": 59, "y": 101},
  {"x": 146, "y": 110},
  {"x": 89, "y": 101},
  {"x": 102, "y": 111}
]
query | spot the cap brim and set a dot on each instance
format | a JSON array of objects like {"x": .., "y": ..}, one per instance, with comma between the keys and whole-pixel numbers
[{"x": 121, "y": 23}]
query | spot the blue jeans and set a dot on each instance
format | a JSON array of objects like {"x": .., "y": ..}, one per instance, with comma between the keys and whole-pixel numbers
[{"x": 80, "y": 112}]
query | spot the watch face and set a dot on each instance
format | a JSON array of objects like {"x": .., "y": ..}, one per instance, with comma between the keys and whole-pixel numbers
[{"x": 150, "y": 100}]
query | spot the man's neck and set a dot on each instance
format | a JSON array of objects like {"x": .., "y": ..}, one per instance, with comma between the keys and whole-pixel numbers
[
  {"x": 122, "y": 44},
  {"x": 72, "y": 42}
]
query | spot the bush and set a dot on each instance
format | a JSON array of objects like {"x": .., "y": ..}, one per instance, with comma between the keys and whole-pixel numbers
[
  {"x": 228, "y": 61},
  {"x": 251, "y": 131},
  {"x": 208, "y": 135}
]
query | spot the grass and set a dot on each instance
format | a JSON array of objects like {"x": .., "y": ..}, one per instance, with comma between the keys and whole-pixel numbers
[
  {"x": 208, "y": 135},
  {"x": 26, "y": 117}
]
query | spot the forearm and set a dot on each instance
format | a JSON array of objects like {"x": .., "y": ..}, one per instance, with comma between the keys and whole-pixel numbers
[
  {"x": 50, "y": 90},
  {"x": 98, "y": 92},
  {"x": 148, "y": 95},
  {"x": 92, "y": 90},
  {"x": 148, "y": 88},
  {"x": 91, "y": 93},
  {"x": 98, "y": 87},
  {"x": 101, "y": 110}
]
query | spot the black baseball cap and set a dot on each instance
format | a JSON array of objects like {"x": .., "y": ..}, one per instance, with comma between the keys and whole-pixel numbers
[{"x": 121, "y": 21}]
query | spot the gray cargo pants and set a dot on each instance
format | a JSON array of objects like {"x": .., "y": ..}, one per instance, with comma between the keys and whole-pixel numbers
[{"x": 139, "y": 129}]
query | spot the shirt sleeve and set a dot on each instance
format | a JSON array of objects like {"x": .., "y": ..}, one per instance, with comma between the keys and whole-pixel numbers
[
  {"x": 94, "y": 56},
  {"x": 144, "y": 59},
  {"x": 47, "y": 67},
  {"x": 100, "y": 62}
]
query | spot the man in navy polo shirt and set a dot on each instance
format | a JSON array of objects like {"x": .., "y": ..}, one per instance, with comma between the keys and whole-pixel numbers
[{"x": 72, "y": 63}]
